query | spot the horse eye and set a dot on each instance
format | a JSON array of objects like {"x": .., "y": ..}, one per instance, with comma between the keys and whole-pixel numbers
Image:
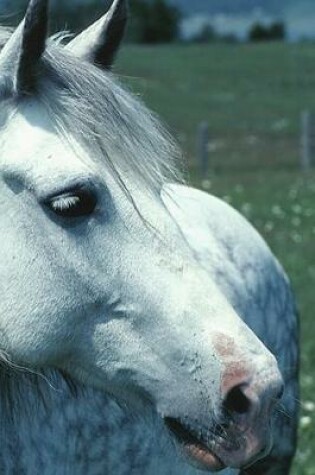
[{"x": 73, "y": 204}]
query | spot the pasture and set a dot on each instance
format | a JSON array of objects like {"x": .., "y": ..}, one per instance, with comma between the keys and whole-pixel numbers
[{"x": 252, "y": 97}]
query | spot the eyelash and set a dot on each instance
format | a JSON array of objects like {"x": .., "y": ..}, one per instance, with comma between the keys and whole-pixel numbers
[
  {"x": 73, "y": 204},
  {"x": 63, "y": 203}
]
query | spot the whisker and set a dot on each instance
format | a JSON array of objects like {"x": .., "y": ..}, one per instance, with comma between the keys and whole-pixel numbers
[
  {"x": 283, "y": 411},
  {"x": 7, "y": 364}
]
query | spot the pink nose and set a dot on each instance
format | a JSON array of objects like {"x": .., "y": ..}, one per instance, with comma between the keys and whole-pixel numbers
[
  {"x": 251, "y": 384},
  {"x": 247, "y": 404}
]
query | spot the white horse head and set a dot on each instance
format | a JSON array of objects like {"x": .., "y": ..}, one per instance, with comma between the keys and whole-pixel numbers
[{"x": 96, "y": 278}]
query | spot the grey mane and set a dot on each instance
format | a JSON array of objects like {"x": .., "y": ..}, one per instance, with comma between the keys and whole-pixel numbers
[{"x": 88, "y": 105}]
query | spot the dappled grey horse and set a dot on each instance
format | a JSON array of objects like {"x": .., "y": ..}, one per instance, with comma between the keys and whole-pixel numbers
[{"x": 126, "y": 297}]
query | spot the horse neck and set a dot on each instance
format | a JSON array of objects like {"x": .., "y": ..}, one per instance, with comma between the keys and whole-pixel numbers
[
  {"x": 47, "y": 423},
  {"x": 47, "y": 427}
]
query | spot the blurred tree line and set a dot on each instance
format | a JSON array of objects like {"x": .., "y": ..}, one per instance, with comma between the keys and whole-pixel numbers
[
  {"x": 151, "y": 21},
  {"x": 274, "y": 32}
]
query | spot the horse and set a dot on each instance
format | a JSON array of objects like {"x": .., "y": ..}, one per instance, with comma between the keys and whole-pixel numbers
[{"x": 145, "y": 326}]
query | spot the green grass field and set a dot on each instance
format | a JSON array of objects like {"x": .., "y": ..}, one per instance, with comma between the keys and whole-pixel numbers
[{"x": 252, "y": 96}]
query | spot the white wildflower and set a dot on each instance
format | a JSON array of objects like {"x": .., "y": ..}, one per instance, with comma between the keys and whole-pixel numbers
[
  {"x": 246, "y": 209},
  {"x": 269, "y": 226},
  {"x": 296, "y": 237},
  {"x": 206, "y": 184},
  {"x": 305, "y": 421},
  {"x": 239, "y": 189},
  {"x": 277, "y": 211},
  {"x": 296, "y": 221},
  {"x": 309, "y": 406},
  {"x": 297, "y": 209}
]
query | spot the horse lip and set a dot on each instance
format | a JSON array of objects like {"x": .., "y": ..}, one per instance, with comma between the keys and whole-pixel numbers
[{"x": 194, "y": 449}]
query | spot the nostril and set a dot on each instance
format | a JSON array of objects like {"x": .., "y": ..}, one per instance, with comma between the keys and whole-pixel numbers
[{"x": 236, "y": 401}]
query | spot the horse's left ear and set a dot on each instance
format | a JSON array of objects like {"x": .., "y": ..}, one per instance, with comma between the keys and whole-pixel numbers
[
  {"x": 99, "y": 43},
  {"x": 20, "y": 56}
]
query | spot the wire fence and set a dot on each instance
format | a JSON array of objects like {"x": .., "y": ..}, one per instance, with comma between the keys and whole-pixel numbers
[{"x": 256, "y": 148}]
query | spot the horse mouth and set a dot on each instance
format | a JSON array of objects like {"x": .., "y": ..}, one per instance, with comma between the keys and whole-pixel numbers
[
  {"x": 193, "y": 449},
  {"x": 228, "y": 447}
]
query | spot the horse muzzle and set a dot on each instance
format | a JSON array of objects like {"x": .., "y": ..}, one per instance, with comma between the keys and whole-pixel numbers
[{"x": 240, "y": 436}]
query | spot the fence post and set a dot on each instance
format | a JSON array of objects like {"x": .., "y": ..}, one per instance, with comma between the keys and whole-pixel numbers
[
  {"x": 306, "y": 141},
  {"x": 203, "y": 149}
]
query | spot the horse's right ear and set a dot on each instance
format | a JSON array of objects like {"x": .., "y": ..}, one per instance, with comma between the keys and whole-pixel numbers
[{"x": 99, "y": 43}]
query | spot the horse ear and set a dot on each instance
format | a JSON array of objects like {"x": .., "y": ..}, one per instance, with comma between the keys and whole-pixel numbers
[
  {"x": 99, "y": 43},
  {"x": 20, "y": 56}
]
